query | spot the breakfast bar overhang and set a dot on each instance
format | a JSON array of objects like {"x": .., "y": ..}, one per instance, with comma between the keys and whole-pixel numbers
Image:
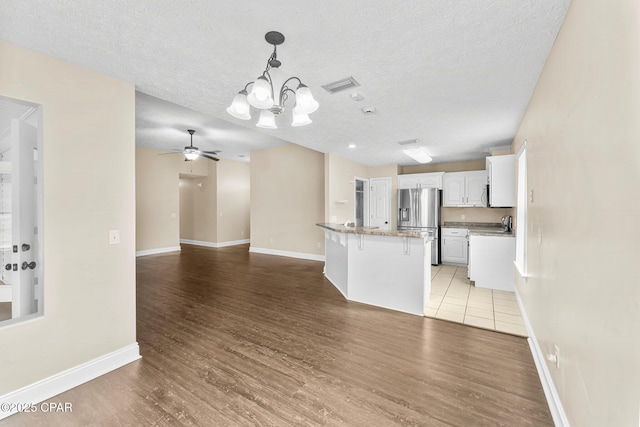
[{"x": 385, "y": 268}]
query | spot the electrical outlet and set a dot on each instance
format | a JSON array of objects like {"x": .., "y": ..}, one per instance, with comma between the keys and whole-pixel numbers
[
  {"x": 463, "y": 216},
  {"x": 319, "y": 245},
  {"x": 242, "y": 232},
  {"x": 271, "y": 240}
]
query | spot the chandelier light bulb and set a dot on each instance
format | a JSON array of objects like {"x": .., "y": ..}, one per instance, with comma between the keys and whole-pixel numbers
[
  {"x": 300, "y": 119},
  {"x": 260, "y": 96},
  {"x": 304, "y": 100},
  {"x": 267, "y": 120},
  {"x": 240, "y": 108}
]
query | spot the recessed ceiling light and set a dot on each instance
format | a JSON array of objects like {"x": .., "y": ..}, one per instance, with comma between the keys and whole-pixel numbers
[
  {"x": 418, "y": 154},
  {"x": 352, "y": 145},
  {"x": 357, "y": 96}
]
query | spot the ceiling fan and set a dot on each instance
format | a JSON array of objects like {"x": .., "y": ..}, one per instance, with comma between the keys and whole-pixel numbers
[{"x": 191, "y": 153}]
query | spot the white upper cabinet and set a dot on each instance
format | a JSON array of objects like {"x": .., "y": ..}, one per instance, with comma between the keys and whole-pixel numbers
[
  {"x": 502, "y": 181},
  {"x": 477, "y": 188},
  {"x": 421, "y": 180},
  {"x": 465, "y": 189}
]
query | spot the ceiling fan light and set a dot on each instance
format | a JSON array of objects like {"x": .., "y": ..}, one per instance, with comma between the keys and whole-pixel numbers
[
  {"x": 260, "y": 96},
  {"x": 418, "y": 154},
  {"x": 267, "y": 120},
  {"x": 300, "y": 119},
  {"x": 240, "y": 108},
  {"x": 305, "y": 102},
  {"x": 191, "y": 155}
]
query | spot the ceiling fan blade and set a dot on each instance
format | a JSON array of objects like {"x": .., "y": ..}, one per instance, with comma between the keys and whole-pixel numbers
[
  {"x": 209, "y": 152},
  {"x": 175, "y": 152},
  {"x": 206, "y": 156}
]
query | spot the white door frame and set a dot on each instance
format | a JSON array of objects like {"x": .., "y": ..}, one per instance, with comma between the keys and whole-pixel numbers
[{"x": 365, "y": 201}]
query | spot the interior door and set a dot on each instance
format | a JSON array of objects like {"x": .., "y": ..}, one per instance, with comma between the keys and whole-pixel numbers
[
  {"x": 380, "y": 208},
  {"x": 24, "y": 250}
]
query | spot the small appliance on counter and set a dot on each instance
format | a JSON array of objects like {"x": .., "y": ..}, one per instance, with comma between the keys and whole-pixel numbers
[
  {"x": 419, "y": 209},
  {"x": 506, "y": 223}
]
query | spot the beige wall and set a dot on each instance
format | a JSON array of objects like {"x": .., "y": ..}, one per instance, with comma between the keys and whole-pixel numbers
[
  {"x": 583, "y": 132},
  {"x": 205, "y": 203},
  {"x": 187, "y": 188},
  {"x": 233, "y": 203},
  {"x": 210, "y": 200},
  {"x": 471, "y": 165},
  {"x": 89, "y": 184},
  {"x": 157, "y": 202},
  {"x": 476, "y": 214},
  {"x": 339, "y": 187},
  {"x": 339, "y": 177},
  {"x": 287, "y": 199}
]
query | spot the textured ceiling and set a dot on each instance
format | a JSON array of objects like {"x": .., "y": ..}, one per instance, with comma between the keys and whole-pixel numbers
[{"x": 457, "y": 76}]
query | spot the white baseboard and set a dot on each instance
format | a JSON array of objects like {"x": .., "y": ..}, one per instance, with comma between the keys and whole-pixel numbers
[
  {"x": 550, "y": 392},
  {"x": 300, "y": 255},
  {"x": 66, "y": 380},
  {"x": 157, "y": 251},
  {"x": 213, "y": 244}
]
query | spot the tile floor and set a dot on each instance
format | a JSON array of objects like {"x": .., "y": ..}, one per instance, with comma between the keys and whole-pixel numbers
[{"x": 453, "y": 298}]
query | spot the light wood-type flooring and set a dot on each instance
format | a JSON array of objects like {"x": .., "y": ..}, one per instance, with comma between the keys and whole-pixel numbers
[{"x": 232, "y": 338}]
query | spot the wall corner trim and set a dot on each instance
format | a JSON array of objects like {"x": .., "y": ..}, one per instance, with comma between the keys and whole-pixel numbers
[
  {"x": 550, "y": 392},
  {"x": 73, "y": 377},
  {"x": 300, "y": 255},
  {"x": 214, "y": 244},
  {"x": 157, "y": 251}
]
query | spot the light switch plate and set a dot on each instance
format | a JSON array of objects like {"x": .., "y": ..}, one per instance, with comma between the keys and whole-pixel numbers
[{"x": 114, "y": 237}]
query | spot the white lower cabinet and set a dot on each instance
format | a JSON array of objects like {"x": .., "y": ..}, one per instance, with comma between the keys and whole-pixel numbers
[
  {"x": 454, "y": 246},
  {"x": 491, "y": 261}
]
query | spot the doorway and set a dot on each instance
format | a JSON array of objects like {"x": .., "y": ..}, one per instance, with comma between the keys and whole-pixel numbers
[
  {"x": 361, "y": 205},
  {"x": 372, "y": 202}
]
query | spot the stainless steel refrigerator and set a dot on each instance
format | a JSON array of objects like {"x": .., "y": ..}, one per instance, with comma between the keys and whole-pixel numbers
[{"x": 419, "y": 209}]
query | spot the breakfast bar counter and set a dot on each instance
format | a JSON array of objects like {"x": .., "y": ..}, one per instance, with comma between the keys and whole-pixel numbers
[{"x": 385, "y": 268}]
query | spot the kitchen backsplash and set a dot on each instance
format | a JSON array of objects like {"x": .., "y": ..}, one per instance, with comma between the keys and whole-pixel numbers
[{"x": 476, "y": 214}]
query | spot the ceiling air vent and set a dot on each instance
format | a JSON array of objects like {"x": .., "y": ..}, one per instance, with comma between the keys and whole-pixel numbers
[
  {"x": 410, "y": 141},
  {"x": 340, "y": 85}
]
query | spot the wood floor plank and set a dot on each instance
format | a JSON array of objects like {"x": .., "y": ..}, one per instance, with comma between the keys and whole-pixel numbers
[{"x": 232, "y": 338}]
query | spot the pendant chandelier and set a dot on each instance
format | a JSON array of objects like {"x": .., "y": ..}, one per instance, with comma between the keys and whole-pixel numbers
[{"x": 270, "y": 91}]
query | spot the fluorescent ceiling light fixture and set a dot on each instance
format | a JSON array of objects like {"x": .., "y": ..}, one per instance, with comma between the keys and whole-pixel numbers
[
  {"x": 270, "y": 91},
  {"x": 419, "y": 154},
  {"x": 352, "y": 145}
]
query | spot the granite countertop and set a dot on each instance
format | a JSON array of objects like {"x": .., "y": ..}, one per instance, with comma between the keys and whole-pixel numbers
[
  {"x": 480, "y": 228},
  {"x": 341, "y": 228}
]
